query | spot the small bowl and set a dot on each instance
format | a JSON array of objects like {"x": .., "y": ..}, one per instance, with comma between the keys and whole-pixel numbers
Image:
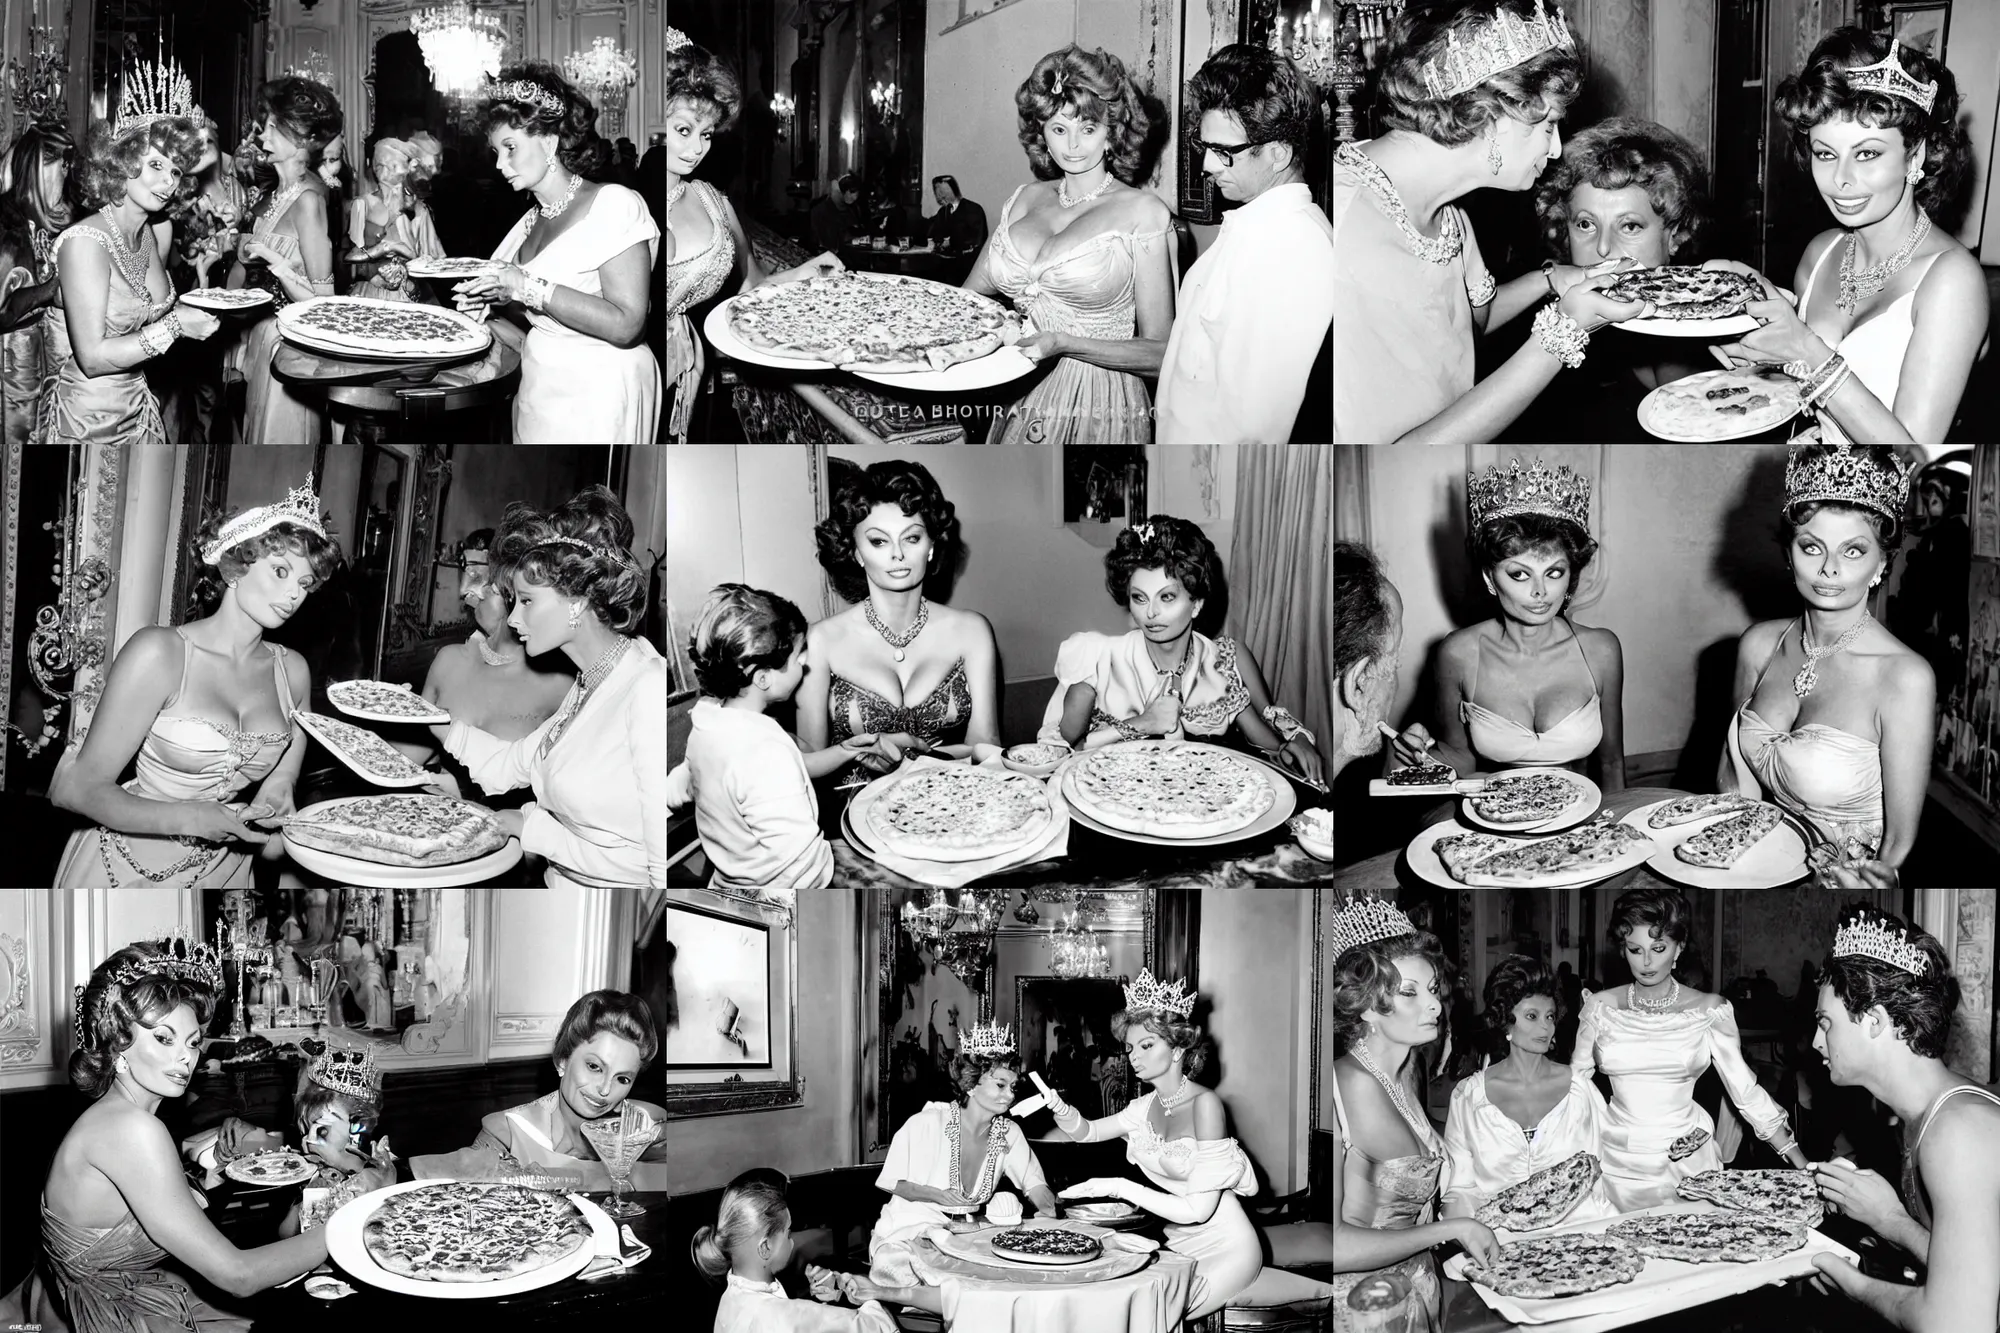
[
  {"x": 1305, "y": 830},
  {"x": 1034, "y": 770}
]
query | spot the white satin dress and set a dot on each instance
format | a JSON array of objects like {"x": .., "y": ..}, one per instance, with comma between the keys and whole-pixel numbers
[
  {"x": 1225, "y": 1248},
  {"x": 1487, "y": 1151}
]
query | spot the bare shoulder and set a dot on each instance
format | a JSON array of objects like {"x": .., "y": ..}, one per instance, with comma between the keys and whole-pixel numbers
[
  {"x": 1459, "y": 649},
  {"x": 297, "y": 674},
  {"x": 1601, "y": 645},
  {"x": 114, "y": 1128},
  {"x": 153, "y": 646},
  {"x": 969, "y": 626},
  {"x": 1955, "y": 267},
  {"x": 1762, "y": 637},
  {"x": 1905, "y": 673},
  {"x": 1144, "y": 210}
]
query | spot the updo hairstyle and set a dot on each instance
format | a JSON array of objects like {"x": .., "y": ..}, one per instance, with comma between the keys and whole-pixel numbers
[
  {"x": 967, "y": 1070},
  {"x": 1176, "y": 1032},
  {"x": 1622, "y": 152},
  {"x": 616, "y": 1011},
  {"x": 608, "y": 577},
  {"x": 319, "y": 553},
  {"x": 574, "y": 125},
  {"x": 111, "y": 160},
  {"x": 1173, "y": 545},
  {"x": 1664, "y": 912},
  {"x": 1365, "y": 978},
  {"x": 110, "y": 1012},
  {"x": 1504, "y": 538},
  {"x": 1888, "y": 531},
  {"x": 1092, "y": 86},
  {"x": 738, "y": 632},
  {"x": 1513, "y": 979},
  {"x": 306, "y": 112},
  {"x": 1532, "y": 91},
  {"x": 705, "y": 84},
  {"x": 908, "y": 486},
  {"x": 750, "y": 1214}
]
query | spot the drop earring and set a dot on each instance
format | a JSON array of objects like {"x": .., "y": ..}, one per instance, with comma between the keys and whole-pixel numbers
[
  {"x": 575, "y": 614},
  {"x": 1915, "y": 173},
  {"x": 120, "y": 1065},
  {"x": 1492, "y": 150}
]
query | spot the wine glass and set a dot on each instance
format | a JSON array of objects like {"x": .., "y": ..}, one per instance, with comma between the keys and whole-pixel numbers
[{"x": 619, "y": 1140}]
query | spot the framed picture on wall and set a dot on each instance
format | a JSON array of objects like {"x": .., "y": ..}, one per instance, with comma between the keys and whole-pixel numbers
[
  {"x": 1922, "y": 24},
  {"x": 731, "y": 1003}
]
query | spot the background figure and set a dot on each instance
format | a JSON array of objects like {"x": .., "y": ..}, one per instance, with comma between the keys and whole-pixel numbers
[{"x": 388, "y": 222}]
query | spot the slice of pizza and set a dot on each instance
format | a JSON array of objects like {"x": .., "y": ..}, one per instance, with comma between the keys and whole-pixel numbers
[
  {"x": 1549, "y": 1266},
  {"x": 362, "y": 750},
  {"x": 1782, "y": 1193},
  {"x": 1722, "y": 843},
  {"x": 1544, "y": 1198},
  {"x": 1525, "y": 799},
  {"x": 1687, "y": 1145},
  {"x": 1595, "y": 846},
  {"x": 1688, "y": 809},
  {"x": 1460, "y": 852}
]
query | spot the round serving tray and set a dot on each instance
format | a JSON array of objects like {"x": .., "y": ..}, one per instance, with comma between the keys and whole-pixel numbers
[
  {"x": 344, "y": 1247},
  {"x": 306, "y": 1170},
  {"x": 1283, "y": 804},
  {"x": 1777, "y": 859},
  {"x": 375, "y": 875},
  {"x": 477, "y": 337},
  {"x": 439, "y": 714}
]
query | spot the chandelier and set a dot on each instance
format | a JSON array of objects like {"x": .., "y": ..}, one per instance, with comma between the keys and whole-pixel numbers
[
  {"x": 1075, "y": 949},
  {"x": 1310, "y": 43},
  {"x": 958, "y": 934},
  {"x": 783, "y": 109},
  {"x": 887, "y": 99},
  {"x": 461, "y": 46},
  {"x": 607, "y": 71}
]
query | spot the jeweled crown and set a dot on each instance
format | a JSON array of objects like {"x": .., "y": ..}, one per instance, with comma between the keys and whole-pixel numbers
[
  {"x": 521, "y": 90},
  {"x": 1365, "y": 920},
  {"x": 1888, "y": 76},
  {"x": 1558, "y": 492},
  {"x": 988, "y": 1039},
  {"x": 349, "y": 1070},
  {"x": 184, "y": 958},
  {"x": 1496, "y": 44},
  {"x": 300, "y": 506},
  {"x": 1849, "y": 476},
  {"x": 154, "y": 90},
  {"x": 676, "y": 39},
  {"x": 1875, "y": 937},
  {"x": 1148, "y": 994}
]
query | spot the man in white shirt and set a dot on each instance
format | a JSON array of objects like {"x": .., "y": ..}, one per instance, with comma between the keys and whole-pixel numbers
[{"x": 1254, "y": 310}]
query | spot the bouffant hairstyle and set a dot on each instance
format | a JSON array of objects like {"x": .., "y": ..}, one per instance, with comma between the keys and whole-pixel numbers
[
  {"x": 1504, "y": 538},
  {"x": 1655, "y": 911},
  {"x": 751, "y": 1213},
  {"x": 609, "y": 1011},
  {"x": 1360, "y": 607},
  {"x": 967, "y": 1070},
  {"x": 708, "y": 87},
  {"x": 1888, "y": 530},
  {"x": 738, "y": 632},
  {"x": 1175, "y": 1032},
  {"x": 1094, "y": 87},
  {"x": 1534, "y": 90},
  {"x": 573, "y": 123},
  {"x": 1820, "y": 92},
  {"x": 306, "y": 112},
  {"x": 1365, "y": 978},
  {"x": 606, "y": 576},
  {"x": 1266, "y": 92},
  {"x": 1513, "y": 979},
  {"x": 319, "y": 553},
  {"x": 111, "y": 1011},
  {"x": 37, "y": 144},
  {"x": 1621, "y": 152},
  {"x": 908, "y": 486},
  {"x": 111, "y": 160},
  {"x": 1175, "y": 546},
  {"x": 1921, "y": 1007}
]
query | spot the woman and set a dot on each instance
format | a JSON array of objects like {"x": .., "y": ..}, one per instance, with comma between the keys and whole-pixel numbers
[
  {"x": 37, "y": 195},
  {"x": 1165, "y": 678},
  {"x": 205, "y": 230},
  {"x": 599, "y": 766},
  {"x": 1837, "y": 715},
  {"x": 577, "y": 264},
  {"x": 287, "y": 251},
  {"x": 704, "y": 236},
  {"x": 1522, "y": 1112},
  {"x": 205, "y": 709},
  {"x": 1883, "y": 347},
  {"x": 915, "y": 674},
  {"x": 1653, "y": 1038},
  {"x": 1177, "y": 1135},
  {"x": 1553, "y": 690},
  {"x": 1388, "y": 980},
  {"x": 1086, "y": 253},
  {"x": 951, "y": 1155},
  {"x": 389, "y": 223},
  {"x": 1411, "y": 291},
  {"x": 115, "y": 1205}
]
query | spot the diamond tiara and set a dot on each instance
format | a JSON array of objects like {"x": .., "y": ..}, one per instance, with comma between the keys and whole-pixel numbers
[
  {"x": 676, "y": 39},
  {"x": 988, "y": 1039},
  {"x": 1504, "y": 41},
  {"x": 1557, "y": 492},
  {"x": 1876, "y": 937},
  {"x": 1849, "y": 476},
  {"x": 154, "y": 90},
  {"x": 1888, "y": 76},
  {"x": 1365, "y": 920},
  {"x": 299, "y": 506},
  {"x": 348, "y": 1070},
  {"x": 185, "y": 958},
  {"x": 521, "y": 90},
  {"x": 1149, "y": 994}
]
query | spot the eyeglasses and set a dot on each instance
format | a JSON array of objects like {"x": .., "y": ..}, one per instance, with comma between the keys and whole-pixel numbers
[{"x": 1228, "y": 151}]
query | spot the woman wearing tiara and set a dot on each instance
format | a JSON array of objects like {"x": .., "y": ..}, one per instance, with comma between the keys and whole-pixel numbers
[
  {"x": 1411, "y": 292},
  {"x": 1553, "y": 690},
  {"x": 202, "y": 711},
  {"x": 1892, "y": 311},
  {"x": 118, "y": 309},
  {"x": 1177, "y": 1134},
  {"x": 1837, "y": 714}
]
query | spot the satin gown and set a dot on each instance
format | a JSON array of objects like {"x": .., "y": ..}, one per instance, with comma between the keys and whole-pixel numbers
[
  {"x": 1653, "y": 1060},
  {"x": 1505, "y": 743},
  {"x": 1085, "y": 289},
  {"x": 1389, "y": 1194},
  {"x": 26, "y": 362},
  {"x": 118, "y": 408},
  {"x": 110, "y": 1280},
  {"x": 692, "y": 279},
  {"x": 1225, "y": 1248},
  {"x": 273, "y": 413},
  {"x": 1874, "y": 349},
  {"x": 1122, "y": 676},
  {"x": 1487, "y": 1151}
]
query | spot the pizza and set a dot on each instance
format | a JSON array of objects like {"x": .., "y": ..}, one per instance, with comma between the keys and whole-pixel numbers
[
  {"x": 362, "y": 750},
  {"x": 957, "y": 813},
  {"x": 1721, "y": 404},
  {"x": 1783, "y": 1193},
  {"x": 1172, "y": 790},
  {"x": 1422, "y": 775},
  {"x": 400, "y": 830},
  {"x": 363, "y": 326},
  {"x": 1546, "y": 1266},
  {"x": 270, "y": 1168},
  {"x": 1722, "y": 843},
  {"x": 226, "y": 298},
  {"x": 1686, "y": 291},
  {"x": 1595, "y": 847},
  {"x": 1687, "y": 1145},
  {"x": 1037, "y": 754},
  {"x": 1047, "y": 1245},
  {"x": 1526, "y": 798},
  {"x": 422, "y": 267},
  {"x": 1708, "y": 1238},
  {"x": 1545, "y": 1198},
  {"x": 1688, "y": 809},
  {"x": 383, "y": 700},
  {"x": 1460, "y": 852},
  {"x": 467, "y": 1232},
  {"x": 881, "y": 322}
]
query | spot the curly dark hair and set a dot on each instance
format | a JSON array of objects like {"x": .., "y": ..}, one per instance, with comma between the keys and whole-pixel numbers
[
  {"x": 1663, "y": 911},
  {"x": 608, "y": 577},
  {"x": 38, "y": 143},
  {"x": 1094, "y": 87},
  {"x": 967, "y": 1070},
  {"x": 1532, "y": 91},
  {"x": 1513, "y": 979},
  {"x": 738, "y": 632},
  {"x": 111, "y": 1012},
  {"x": 908, "y": 486},
  {"x": 110, "y": 160},
  {"x": 579, "y": 147},
  {"x": 1888, "y": 530},
  {"x": 320, "y": 554},
  {"x": 1174, "y": 545},
  {"x": 1503, "y": 538},
  {"x": 1820, "y": 92},
  {"x": 1360, "y": 607},
  {"x": 1178, "y": 1033},
  {"x": 706, "y": 84},
  {"x": 1626, "y": 151},
  {"x": 1365, "y": 978},
  {"x": 1921, "y": 1007},
  {"x": 306, "y": 112},
  {"x": 1267, "y": 93}
]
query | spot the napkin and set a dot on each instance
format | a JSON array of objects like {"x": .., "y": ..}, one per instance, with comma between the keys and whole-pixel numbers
[
  {"x": 1119, "y": 1240},
  {"x": 606, "y": 1260},
  {"x": 956, "y": 874}
]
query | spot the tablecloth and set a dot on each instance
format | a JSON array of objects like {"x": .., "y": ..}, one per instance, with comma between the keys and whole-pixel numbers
[{"x": 1152, "y": 1300}]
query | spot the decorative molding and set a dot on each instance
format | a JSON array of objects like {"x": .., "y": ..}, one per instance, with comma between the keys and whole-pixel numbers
[
  {"x": 520, "y": 1028},
  {"x": 14, "y": 1015},
  {"x": 428, "y": 1038},
  {"x": 10, "y": 578}
]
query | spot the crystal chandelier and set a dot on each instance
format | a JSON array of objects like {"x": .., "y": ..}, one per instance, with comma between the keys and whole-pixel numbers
[
  {"x": 887, "y": 100},
  {"x": 461, "y": 46},
  {"x": 1075, "y": 950},
  {"x": 1310, "y": 43},
  {"x": 315, "y": 66},
  {"x": 958, "y": 934},
  {"x": 605, "y": 72}
]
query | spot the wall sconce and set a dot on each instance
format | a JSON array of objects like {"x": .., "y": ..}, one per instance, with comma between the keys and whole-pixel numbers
[
  {"x": 887, "y": 100},
  {"x": 782, "y": 110}
]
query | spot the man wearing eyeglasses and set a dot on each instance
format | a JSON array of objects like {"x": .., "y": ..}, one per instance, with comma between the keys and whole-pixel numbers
[{"x": 1253, "y": 310}]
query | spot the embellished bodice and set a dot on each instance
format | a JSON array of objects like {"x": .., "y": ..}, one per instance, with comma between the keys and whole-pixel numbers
[
  {"x": 189, "y": 758},
  {"x": 694, "y": 278},
  {"x": 127, "y": 307},
  {"x": 1388, "y": 1193},
  {"x": 109, "y": 1278},
  {"x": 857, "y": 710},
  {"x": 1087, "y": 289}
]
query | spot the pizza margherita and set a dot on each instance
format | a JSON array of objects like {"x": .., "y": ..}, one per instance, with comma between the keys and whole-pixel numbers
[
  {"x": 362, "y": 326},
  {"x": 400, "y": 830},
  {"x": 1171, "y": 791},
  {"x": 466, "y": 1232},
  {"x": 378, "y": 699},
  {"x": 879, "y": 322},
  {"x": 951, "y": 812}
]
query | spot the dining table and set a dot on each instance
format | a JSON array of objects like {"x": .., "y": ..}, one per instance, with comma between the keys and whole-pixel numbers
[
  {"x": 1152, "y": 1299},
  {"x": 403, "y": 396}
]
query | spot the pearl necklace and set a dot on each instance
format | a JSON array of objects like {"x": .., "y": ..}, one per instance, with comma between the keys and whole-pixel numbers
[
  {"x": 556, "y": 209},
  {"x": 1858, "y": 287},
  {"x": 916, "y": 626},
  {"x": 1062, "y": 192},
  {"x": 983, "y": 1185},
  {"x": 1443, "y": 248},
  {"x": 1632, "y": 1000},
  {"x": 586, "y": 685},
  {"x": 674, "y": 195},
  {"x": 1171, "y": 1102},
  {"x": 1808, "y": 677},
  {"x": 1396, "y": 1097}
]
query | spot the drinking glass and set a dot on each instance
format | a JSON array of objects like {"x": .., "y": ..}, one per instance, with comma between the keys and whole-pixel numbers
[{"x": 619, "y": 1140}]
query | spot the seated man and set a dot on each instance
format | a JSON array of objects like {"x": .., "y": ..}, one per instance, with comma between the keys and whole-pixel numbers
[
  {"x": 1886, "y": 997},
  {"x": 959, "y": 225},
  {"x": 834, "y": 219}
]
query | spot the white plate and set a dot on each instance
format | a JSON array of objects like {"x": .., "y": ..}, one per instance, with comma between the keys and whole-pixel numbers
[
  {"x": 1589, "y": 797},
  {"x": 1778, "y": 858},
  {"x": 423, "y": 268},
  {"x": 1000, "y": 366},
  {"x": 339, "y": 751},
  {"x": 1426, "y": 864},
  {"x": 437, "y": 714},
  {"x": 1649, "y": 407},
  {"x": 374, "y": 874},
  {"x": 865, "y": 799},
  {"x": 1284, "y": 802},
  {"x": 1726, "y": 327},
  {"x": 1101, "y": 1212},
  {"x": 724, "y": 340},
  {"x": 345, "y": 1247},
  {"x": 201, "y": 299},
  {"x": 476, "y": 336},
  {"x": 305, "y": 1171}
]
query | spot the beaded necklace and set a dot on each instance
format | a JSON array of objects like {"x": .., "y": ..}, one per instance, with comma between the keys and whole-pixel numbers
[
  {"x": 995, "y": 1145},
  {"x": 1856, "y": 287},
  {"x": 127, "y": 259},
  {"x": 1442, "y": 249},
  {"x": 561, "y": 205},
  {"x": 586, "y": 685}
]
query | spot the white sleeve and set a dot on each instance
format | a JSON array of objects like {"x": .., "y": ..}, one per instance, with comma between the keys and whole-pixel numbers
[
  {"x": 1725, "y": 1048},
  {"x": 1461, "y": 1174},
  {"x": 1268, "y": 354},
  {"x": 496, "y": 765}
]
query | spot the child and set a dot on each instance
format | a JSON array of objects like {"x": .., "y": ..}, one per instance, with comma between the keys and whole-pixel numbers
[
  {"x": 338, "y": 1109},
  {"x": 751, "y": 1241},
  {"x": 751, "y": 786}
]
